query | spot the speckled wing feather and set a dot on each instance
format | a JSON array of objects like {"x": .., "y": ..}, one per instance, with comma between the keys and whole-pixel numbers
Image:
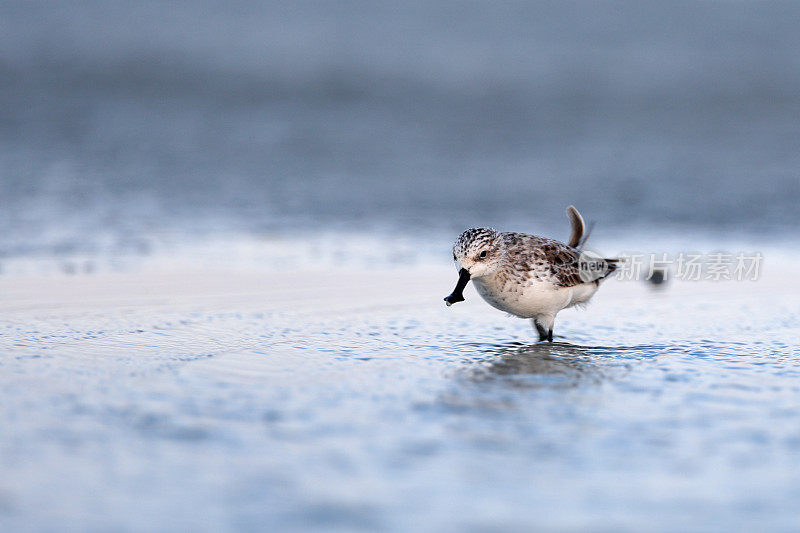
[{"x": 544, "y": 259}]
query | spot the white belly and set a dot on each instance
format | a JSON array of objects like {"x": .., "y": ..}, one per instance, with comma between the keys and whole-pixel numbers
[{"x": 538, "y": 298}]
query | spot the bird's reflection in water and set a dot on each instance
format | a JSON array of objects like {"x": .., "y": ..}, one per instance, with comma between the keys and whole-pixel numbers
[
  {"x": 492, "y": 378},
  {"x": 549, "y": 365}
]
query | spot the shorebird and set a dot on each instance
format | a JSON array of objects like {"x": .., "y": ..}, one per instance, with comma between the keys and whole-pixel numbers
[{"x": 529, "y": 276}]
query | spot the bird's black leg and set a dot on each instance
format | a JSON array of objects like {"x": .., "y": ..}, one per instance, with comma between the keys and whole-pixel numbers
[{"x": 544, "y": 333}]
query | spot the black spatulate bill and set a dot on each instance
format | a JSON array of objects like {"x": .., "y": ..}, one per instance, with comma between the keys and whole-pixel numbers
[{"x": 458, "y": 293}]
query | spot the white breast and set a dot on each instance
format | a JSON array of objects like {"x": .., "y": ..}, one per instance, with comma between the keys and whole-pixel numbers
[{"x": 536, "y": 298}]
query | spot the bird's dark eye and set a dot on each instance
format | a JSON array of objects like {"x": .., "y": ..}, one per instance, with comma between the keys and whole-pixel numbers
[{"x": 482, "y": 254}]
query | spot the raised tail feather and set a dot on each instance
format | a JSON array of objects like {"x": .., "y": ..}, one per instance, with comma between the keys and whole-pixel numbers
[
  {"x": 579, "y": 234},
  {"x": 577, "y": 225}
]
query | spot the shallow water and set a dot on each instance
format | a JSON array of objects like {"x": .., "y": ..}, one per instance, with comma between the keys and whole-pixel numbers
[{"x": 664, "y": 410}]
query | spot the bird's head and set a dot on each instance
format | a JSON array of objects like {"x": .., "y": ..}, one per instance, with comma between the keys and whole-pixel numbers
[
  {"x": 478, "y": 250},
  {"x": 476, "y": 254}
]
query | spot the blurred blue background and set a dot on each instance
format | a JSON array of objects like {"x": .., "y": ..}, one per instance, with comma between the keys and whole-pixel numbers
[
  {"x": 122, "y": 121},
  {"x": 235, "y": 146}
]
